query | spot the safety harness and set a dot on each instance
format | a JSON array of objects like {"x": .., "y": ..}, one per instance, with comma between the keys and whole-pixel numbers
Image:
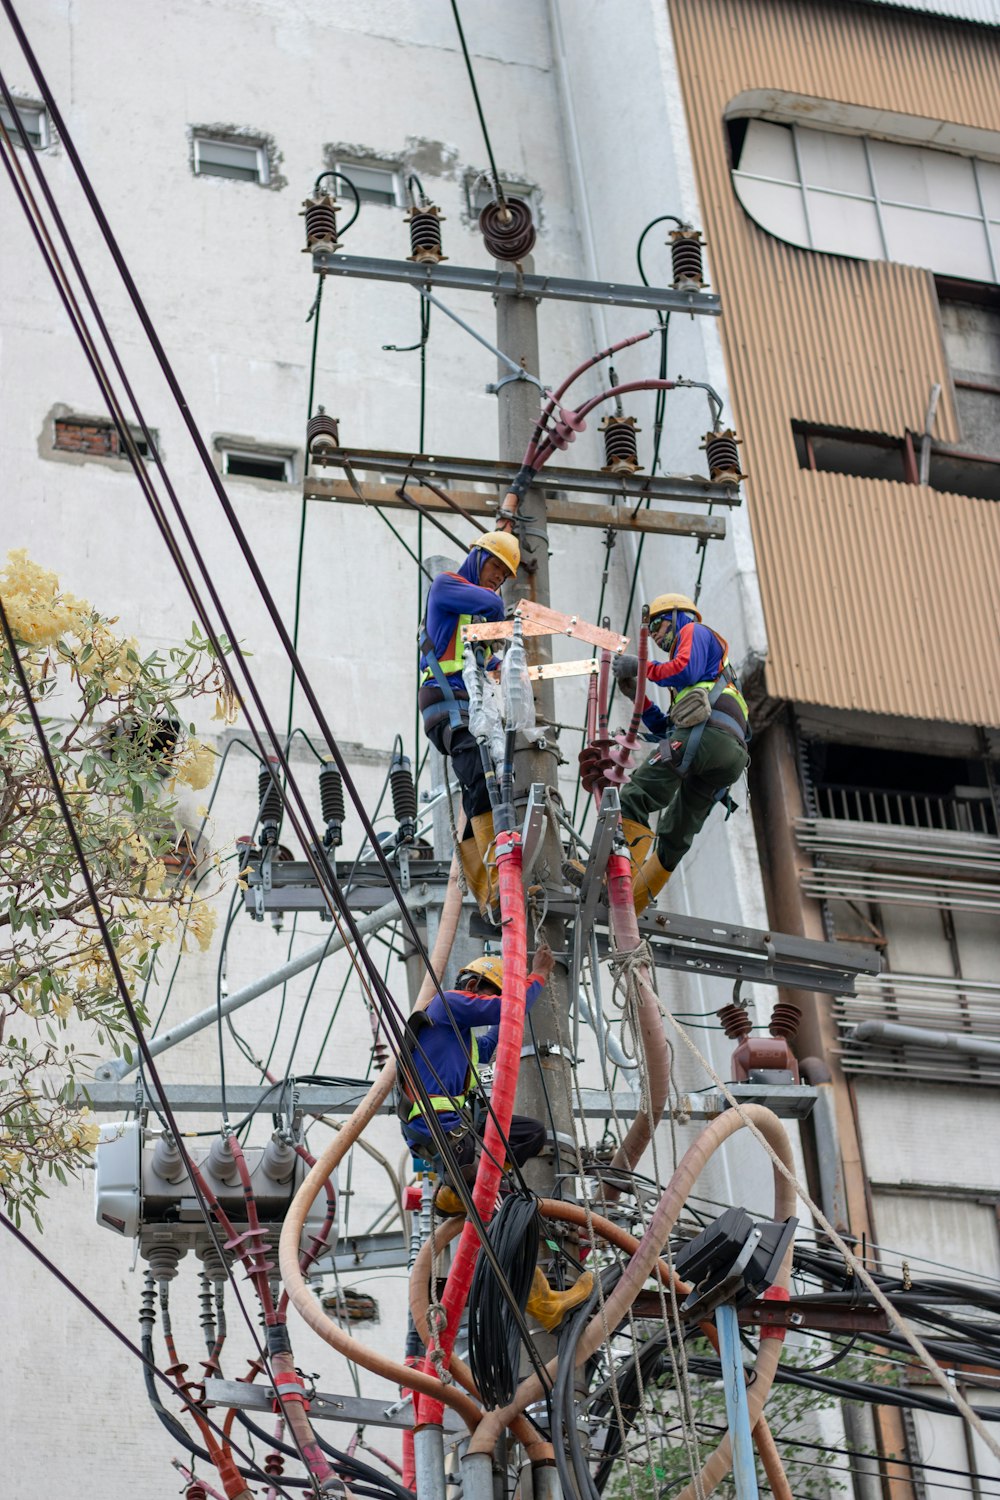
[
  {"x": 409, "y": 1106},
  {"x": 456, "y": 711}
]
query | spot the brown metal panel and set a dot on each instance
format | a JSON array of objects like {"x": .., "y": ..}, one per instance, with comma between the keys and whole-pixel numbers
[{"x": 863, "y": 581}]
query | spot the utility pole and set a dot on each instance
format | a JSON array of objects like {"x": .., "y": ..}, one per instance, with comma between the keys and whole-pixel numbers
[{"x": 518, "y": 402}]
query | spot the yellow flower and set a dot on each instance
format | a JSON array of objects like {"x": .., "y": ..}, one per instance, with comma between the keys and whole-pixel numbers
[
  {"x": 63, "y": 1004},
  {"x": 38, "y": 613},
  {"x": 156, "y": 874},
  {"x": 197, "y": 766},
  {"x": 227, "y": 707},
  {"x": 158, "y": 923},
  {"x": 201, "y": 923}
]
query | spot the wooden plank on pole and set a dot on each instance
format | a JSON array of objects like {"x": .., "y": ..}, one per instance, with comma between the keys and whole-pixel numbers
[
  {"x": 560, "y": 512},
  {"x": 537, "y": 620}
]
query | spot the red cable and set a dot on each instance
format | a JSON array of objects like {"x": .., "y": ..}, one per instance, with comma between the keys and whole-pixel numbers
[{"x": 507, "y": 1063}]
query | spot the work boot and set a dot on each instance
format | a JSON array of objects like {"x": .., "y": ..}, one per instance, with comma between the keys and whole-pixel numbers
[
  {"x": 476, "y": 876},
  {"x": 548, "y": 1307},
  {"x": 482, "y": 828},
  {"x": 447, "y": 1203},
  {"x": 639, "y": 839},
  {"x": 648, "y": 882}
]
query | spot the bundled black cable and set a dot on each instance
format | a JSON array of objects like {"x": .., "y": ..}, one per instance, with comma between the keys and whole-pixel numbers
[{"x": 494, "y": 1337}]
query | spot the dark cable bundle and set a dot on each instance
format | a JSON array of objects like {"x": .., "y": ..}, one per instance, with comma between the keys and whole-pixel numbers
[{"x": 494, "y": 1338}]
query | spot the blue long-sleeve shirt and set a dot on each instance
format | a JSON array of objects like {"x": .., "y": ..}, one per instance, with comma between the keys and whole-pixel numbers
[
  {"x": 697, "y": 656},
  {"x": 441, "y": 1056},
  {"x": 450, "y": 596}
]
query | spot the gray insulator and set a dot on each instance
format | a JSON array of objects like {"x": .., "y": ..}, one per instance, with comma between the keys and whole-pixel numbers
[
  {"x": 163, "y": 1261},
  {"x": 221, "y": 1162},
  {"x": 279, "y": 1159},
  {"x": 168, "y": 1162},
  {"x": 215, "y": 1266}
]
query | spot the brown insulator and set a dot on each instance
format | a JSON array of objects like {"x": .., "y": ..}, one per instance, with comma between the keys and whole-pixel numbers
[
  {"x": 320, "y": 213},
  {"x": 685, "y": 257},
  {"x": 322, "y": 436},
  {"x": 621, "y": 451},
  {"x": 196, "y": 1491},
  {"x": 507, "y": 229},
  {"x": 736, "y": 1022},
  {"x": 425, "y": 234},
  {"x": 274, "y": 1464},
  {"x": 723, "y": 457},
  {"x": 785, "y": 1019},
  {"x": 380, "y": 1052}
]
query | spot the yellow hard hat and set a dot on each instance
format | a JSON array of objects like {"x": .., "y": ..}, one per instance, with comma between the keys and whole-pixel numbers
[
  {"x": 502, "y": 545},
  {"x": 489, "y": 967},
  {"x": 664, "y": 603}
]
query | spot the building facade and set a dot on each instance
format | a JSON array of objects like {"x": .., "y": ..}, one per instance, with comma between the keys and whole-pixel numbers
[{"x": 847, "y": 164}]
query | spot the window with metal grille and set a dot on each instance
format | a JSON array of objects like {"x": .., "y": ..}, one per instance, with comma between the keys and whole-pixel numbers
[
  {"x": 375, "y": 183},
  {"x": 861, "y": 784},
  {"x": 245, "y": 161},
  {"x": 34, "y": 120}
]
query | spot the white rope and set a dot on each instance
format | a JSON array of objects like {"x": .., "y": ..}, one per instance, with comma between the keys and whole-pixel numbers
[{"x": 915, "y": 1343}]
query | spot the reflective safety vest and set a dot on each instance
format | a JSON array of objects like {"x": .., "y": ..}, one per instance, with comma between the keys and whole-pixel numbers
[
  {"x": 455, "y": 658},
  {"x": 445, "y": 1104},
  {"x": 731, "y": 689}
]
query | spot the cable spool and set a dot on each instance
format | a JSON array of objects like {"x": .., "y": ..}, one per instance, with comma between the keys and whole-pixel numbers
[
  {"x": 736, "y": 1022},
  {"x": 621, "y": 451},
  {"x": 723, "y": 457},
  {"x": 404, "y": 797},
  {"x": 322, "y": 436},
  {"x": 685, "y": 258},
  {"x": 507, "y": 229},
  {"x": 320, "y": 213},
  {"x": 785, "y": 1019},
  {"x": 425, "y": 234},
  {"x": 271, "y": 804},
  {"x": 331, "y": 803}
]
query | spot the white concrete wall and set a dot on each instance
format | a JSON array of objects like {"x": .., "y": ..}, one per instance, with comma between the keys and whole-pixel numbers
[{"x": 220, "y": 265}]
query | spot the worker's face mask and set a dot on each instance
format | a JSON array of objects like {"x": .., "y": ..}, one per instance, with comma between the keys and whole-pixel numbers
[{"x": 664, "y": 631}]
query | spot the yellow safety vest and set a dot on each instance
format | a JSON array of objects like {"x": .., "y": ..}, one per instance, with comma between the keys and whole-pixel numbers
[
  {"x": 445, "y": 1104},
  {"x": 455, "y": 659}
]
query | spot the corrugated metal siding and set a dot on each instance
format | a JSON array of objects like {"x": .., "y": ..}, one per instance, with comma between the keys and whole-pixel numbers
[{"x": 852, "y": 571}]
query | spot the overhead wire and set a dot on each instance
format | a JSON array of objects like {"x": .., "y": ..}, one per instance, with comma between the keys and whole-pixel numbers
[{"x": 498, "y": 186}]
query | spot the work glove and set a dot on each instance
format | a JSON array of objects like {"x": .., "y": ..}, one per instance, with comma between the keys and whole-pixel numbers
[
  {"x": 544, "y": 961},
  {"x": 626, "y": 672}
]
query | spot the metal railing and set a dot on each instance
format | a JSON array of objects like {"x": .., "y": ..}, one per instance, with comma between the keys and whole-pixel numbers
[{"x": 970, "y": 811}]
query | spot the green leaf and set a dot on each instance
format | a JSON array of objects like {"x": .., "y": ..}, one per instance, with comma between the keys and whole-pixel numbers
[{"x": 137, "y": 798}]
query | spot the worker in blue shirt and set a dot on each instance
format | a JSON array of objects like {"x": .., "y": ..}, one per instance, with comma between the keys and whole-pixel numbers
[
  {"x": 453, "y": 601},
  {"x": 443, "y": 1048},
  {"x": 702, "y": 748}
]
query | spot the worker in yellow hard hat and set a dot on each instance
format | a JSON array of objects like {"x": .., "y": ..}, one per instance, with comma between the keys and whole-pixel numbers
[
  {"x": 453, "y": 601},
  {"x": 703, "y": 735},
  {"x": 442, "y": 1050}
]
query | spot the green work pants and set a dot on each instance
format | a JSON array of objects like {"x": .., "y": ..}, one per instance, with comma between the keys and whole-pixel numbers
[{"x": 683, "y": 803}]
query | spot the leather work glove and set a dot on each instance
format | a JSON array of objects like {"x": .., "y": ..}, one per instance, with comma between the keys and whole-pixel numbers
[{"x": 626, "y": 674}]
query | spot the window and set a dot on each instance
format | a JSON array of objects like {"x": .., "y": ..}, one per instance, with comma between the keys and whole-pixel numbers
[
  {"x": 971, "y": 330},
  {"x": 873, "y": 455},
  {"x": 375, "y": 184},
  {"x": 863, "y": 784},
  {"x": 35, "y": 122},
  {"x": 871, "y": 199},
  {"x": 479, "y": 191},
  {"x": 258, "y": 464},
  {"x": 244, "y": 160},
  {"x": 869, "y": 455},
  {"x": 94, "y": 437}
]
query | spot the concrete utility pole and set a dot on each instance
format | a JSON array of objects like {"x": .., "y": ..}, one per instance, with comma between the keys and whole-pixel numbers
[{"x": 518, "y": 400}]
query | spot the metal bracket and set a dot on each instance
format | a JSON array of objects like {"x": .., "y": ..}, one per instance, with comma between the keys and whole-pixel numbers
[{"x": 533, "y": 828}]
